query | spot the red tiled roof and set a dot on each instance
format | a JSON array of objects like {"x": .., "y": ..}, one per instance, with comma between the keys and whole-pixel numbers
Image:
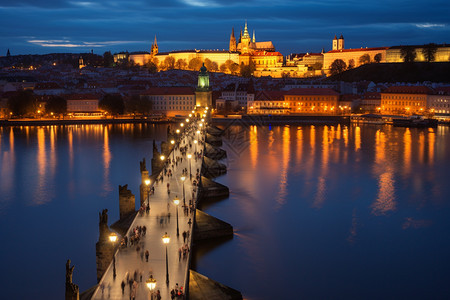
[
  {"x": 358, "y": 49},
  {"x": 312, "y": 91},
  {"x": 403, "y": 89},
  {"x": 270, "y": 96},
  {"x": 83, "y": 97},
  {"x": 176, "y": 90},
  {"x": 265, "y": 53}
]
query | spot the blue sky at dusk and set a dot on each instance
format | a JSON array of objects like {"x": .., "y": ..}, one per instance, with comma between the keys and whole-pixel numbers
[{"x": 47, "y": 26}]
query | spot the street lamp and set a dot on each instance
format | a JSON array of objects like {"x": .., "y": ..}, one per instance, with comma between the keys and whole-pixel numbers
[
  {"x": 187, "y": 120},
  {"x": 177, "y": 201},
  {"x": 162, "y": 157},
  {"x": 113, "y": 239},
  {"x": 182, "y": 124},
  {"x": 189, "y": 156},
  {"x": 190, "y": 115},
  {"x": 178, "y": 131},
  {"x": 184, "y": 197},
  {"x": 147, "y": 183},
  {"x": 151, "y": 284},
  {"x": 166, "y": 240},
  {"x": 173, "y": 149}
]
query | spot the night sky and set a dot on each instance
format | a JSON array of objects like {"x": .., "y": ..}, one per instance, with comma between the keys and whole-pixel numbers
[{"x": 48, "y": 26}]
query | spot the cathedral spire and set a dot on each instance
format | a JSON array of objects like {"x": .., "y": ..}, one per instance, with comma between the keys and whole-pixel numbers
[
  {"x": 253, "y": 39},
  {"x": 246, "y": 35},
  {"x": 154, "y": 49},
  {"x": 232, "y": 41}
]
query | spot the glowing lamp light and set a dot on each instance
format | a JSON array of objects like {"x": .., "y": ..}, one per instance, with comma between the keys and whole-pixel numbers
[
  {"x": 189, "y": 156},
  {"x": 151, "y": 283},
  {"x": 113, "y": 237},
  {"x": 162, "y": 157},
  {"x": 178, "y": 130},
  {"x": 203, "y": 120},
  {"x": 206, "y": 108},
  {"x": 198, "y": 105},
  {"x": 147, "y": 182},
  {"x": 198, "y": 131},
  {"x": 38, "y": 111},
  {"x": 166, "y": 238},
  {"x": 187, "y": 120},
  {"x": 183, "y": 178},
  {"x": 182, "y": 124},
  {"x": 193, "y": 111},
  {"x": 190, "y": 115},
  {"x": 176, "y": 201},
  {"x": 172, "y": 142},
  {"x": 201, "y": 124},
  {"x": 195, "y": 142}
]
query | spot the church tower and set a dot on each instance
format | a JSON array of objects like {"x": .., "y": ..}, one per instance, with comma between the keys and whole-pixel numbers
[
  {"x": 232, "y": 41},
  {"x": 245, "y": 41},
  {"x": 203, "y": 92},
  {"x": 253, "y": 39},
  {"x": 154, "y": 50},
  {"x": 335, "y": 43},
  {"x": 341, "y": 43}
]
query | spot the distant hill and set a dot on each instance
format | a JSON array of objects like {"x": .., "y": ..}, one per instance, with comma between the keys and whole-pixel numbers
[{"x": 397, "y": 72}]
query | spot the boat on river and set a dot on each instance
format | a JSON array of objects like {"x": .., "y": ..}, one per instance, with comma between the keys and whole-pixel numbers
[{"x": 415, "y": 121}]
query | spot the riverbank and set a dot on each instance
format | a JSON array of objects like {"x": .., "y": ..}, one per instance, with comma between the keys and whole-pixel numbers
[
  {"x": 48, "y": 122},
  {"x": 271, "y": 120}
]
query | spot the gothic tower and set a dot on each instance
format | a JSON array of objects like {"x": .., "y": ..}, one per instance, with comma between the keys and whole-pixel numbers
[
  {"x": 253, "y": 39},
  {"x": 341, "y": 43},
  {"x": 232, "y": 41},
  {"x": 203, "y": 93},
  {"x": 335, "y": 43},
  {"x": 245, "y": 40},
  {"x": 154, "y": 50}
]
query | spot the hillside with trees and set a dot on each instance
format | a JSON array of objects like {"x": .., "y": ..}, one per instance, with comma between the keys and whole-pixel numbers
[{"x": 396, "y": 72}]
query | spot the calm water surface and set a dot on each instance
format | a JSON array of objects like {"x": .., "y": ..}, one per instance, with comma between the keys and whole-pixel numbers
[{"x": 319, "y": 212}]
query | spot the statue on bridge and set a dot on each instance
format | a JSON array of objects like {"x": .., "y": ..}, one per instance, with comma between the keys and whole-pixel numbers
[
  {"x": 103, "y": 224},
  {"x": 72, "y": 290}
]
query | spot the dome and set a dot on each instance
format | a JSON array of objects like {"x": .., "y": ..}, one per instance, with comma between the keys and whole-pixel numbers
[{"x": 203, "y": 68}]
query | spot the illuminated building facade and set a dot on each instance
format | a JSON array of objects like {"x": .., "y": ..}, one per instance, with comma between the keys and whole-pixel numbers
[
  {"x": 405, "y": 100},
  {"x": 170, "y": 101},
  {"x": 312, "y": 101}
]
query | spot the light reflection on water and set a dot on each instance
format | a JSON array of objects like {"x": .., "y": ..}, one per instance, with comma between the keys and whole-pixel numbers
[
  {"x": 335, "y": 211},
  {"x": 320, "y": 212}
]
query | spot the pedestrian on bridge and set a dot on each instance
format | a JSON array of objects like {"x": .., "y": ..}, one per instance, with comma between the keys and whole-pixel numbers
[{"x": 146, "y": 255}]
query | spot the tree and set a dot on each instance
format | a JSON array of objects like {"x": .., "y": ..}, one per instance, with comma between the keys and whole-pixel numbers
[
  {"x": 56, "y": 105},
  {"x": 112, "y": 103},
  {"x": 351, "y": 64},
  {"x": 138, "y": 105},
  {"x": 152, "y": 67},
  {"x": 23, "y": 103},
  {"x": 223, "y": 68},
  {"x": 195, "y": 64},
  {"x": 338, "y": 66},
  {"x": 108, "y": 59},
  {"x": 429, "y": 52},
  {"x": 317, "y": 66},
  {"x": 377, "y": 58},
  {"x": 408, "y": 54},
  {"x": 181, "y": 64},
  {"x": 247, "y": 70},
  {"x": 364, "y": 59},
  {"x": 169, "y": 63},
  {"x": 208, "y": 64},
  {"x": 214, "y": 67}
]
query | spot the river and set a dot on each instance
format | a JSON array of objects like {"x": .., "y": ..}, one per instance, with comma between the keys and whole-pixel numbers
[{"x": 319, "y": 212}]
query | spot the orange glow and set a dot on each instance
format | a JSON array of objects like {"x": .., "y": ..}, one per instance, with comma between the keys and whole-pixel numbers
[
  {"x": 431, "y": 142},
  {"x": 253, "y": 145},
  {"x": 357, "y": 138},
  {"x": 407, "y": 152}
]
